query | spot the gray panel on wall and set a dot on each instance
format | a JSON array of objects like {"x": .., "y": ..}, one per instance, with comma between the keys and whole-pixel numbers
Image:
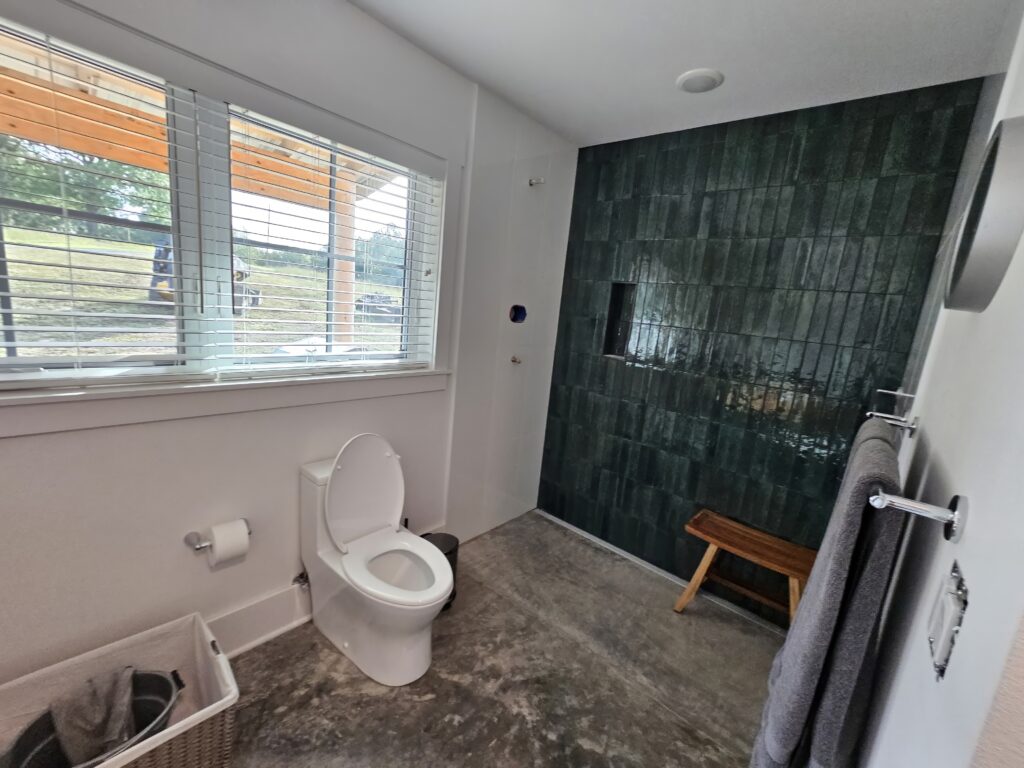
[{"x": 780, "y": 266}]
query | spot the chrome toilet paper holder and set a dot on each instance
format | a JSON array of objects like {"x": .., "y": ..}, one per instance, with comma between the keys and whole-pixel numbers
[{"x": 195, "y": 541}]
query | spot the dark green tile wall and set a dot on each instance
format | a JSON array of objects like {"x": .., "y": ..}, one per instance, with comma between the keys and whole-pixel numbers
[{"x": 781, "y": 263}]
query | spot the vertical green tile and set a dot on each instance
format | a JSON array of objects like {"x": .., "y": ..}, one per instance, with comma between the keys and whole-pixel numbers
[{"x": 781, "y": 265}]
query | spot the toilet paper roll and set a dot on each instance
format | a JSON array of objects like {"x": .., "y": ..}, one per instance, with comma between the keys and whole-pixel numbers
[{"x": 228, "y": 541}]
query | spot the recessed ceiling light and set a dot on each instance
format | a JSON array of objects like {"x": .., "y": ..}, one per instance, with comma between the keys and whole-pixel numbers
[{"x": 699, "y": 80}]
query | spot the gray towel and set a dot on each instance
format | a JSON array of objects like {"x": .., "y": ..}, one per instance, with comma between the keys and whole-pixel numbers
[
  {"x": 96, "y": 717},
  {"x": 821, "y": 678}
]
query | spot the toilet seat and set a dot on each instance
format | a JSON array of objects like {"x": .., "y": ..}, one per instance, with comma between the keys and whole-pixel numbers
[
  {"x": 365, "y": 492},
  {"x": 362, "y": 514},
  {"x": 356, "y": 564}
]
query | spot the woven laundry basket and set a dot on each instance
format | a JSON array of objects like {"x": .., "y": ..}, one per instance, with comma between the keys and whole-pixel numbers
[
  {"x": 201, "y": 730},
  {"x": 210, "y": 744}
]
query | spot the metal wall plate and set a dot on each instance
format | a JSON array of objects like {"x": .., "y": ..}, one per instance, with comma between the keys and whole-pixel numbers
[
  {"x": 946, "y": 619},
  {"x": 987, "y": 234}
]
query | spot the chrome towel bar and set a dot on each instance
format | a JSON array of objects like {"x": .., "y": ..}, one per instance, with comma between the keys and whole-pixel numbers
[{"x": 954, "y": 517}]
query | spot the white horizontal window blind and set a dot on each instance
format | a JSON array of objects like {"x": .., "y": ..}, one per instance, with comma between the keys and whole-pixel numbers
[
  {"x": 335, "y": 252},
  {"x": 149, "y": 231},
  {"x": 84, "y": 202}
]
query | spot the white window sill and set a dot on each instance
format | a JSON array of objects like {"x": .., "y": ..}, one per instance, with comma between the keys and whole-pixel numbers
[{"x": 30, "y": 412}]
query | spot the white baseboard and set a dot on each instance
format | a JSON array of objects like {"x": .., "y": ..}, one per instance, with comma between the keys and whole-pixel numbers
[
  {"x": 663, "y": 574},
  {"x": 244, "y": 628}
]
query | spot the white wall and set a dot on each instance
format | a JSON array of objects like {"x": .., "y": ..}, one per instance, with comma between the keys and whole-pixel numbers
[
  {"x": 95, "y": 495},
  {"x": 93, "y": 519},
  {"x": 515, "y": 246},
  {"x": 969, "y": 443}
]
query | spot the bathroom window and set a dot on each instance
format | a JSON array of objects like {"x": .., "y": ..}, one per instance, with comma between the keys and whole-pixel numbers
[
  {"x": 85, "y": 200},
  {"x": 335, "y": 252},
  {"x": 620, "y": 319},
  {"x": 147, "y": 230}
]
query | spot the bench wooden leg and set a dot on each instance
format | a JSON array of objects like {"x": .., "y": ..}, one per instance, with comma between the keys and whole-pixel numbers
[
  {"x": 697, "y": 579},
  {"x": 795, "y": 587}
]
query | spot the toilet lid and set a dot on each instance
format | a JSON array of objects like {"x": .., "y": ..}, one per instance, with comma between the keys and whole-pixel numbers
[{"x": 366, "y": 490}]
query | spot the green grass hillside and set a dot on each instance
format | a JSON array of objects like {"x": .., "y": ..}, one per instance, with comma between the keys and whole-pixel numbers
[{"x": 109, "y": 310}]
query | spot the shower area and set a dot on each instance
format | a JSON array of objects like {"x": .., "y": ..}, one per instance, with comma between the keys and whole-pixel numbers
[{"x": 734, "y": 295}]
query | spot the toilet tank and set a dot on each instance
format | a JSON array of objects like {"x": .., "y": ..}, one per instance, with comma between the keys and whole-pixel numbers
[{"x": 313, "y": 479}]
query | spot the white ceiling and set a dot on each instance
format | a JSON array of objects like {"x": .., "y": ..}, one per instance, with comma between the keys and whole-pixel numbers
[{"x": 602, "y": 70}]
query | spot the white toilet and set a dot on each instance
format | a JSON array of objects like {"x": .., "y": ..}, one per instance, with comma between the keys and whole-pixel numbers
[{"x": 376, "y": 587}]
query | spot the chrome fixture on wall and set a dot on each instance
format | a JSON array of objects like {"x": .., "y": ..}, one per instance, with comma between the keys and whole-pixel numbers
[
  {"x": 946, "y": 619},
  {"x": 954, "y": 517},
  {"x": 900, "y": 422},
  {"x": 222, "y": 542},
  {"x": 987, "y": 235},
  {"x": 899, "y": 418}
]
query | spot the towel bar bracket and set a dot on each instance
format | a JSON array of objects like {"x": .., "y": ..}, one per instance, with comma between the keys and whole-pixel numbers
[
  {"x": 896, "y": 393},
  {"x": 953, "y": 517},
  {"x": 900, "y": 422}
]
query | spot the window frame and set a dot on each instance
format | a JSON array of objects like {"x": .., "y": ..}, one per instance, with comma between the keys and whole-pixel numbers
[
  {"x": 416, "y": 298},
  {"x": 199, "y": 267},
  {"x": 50, "y": 374}
]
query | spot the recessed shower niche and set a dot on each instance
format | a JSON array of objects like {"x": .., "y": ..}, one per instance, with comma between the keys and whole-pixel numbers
[{"x": 619, "y": 325}]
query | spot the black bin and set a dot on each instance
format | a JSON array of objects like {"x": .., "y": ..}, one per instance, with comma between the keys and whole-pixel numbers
[
  {"x": 449, "y": 546},
  {"x": 154, "y": 695}
]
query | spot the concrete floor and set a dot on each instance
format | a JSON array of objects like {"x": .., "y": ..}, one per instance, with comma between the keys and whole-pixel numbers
[{"x": 556, "y": 652}]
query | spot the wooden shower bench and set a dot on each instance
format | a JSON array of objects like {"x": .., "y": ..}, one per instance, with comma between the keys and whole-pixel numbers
[{"x": 771, "y": 552}]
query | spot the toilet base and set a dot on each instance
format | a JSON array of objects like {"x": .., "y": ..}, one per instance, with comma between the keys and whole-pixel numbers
[{"x": 390, "y": 644}]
